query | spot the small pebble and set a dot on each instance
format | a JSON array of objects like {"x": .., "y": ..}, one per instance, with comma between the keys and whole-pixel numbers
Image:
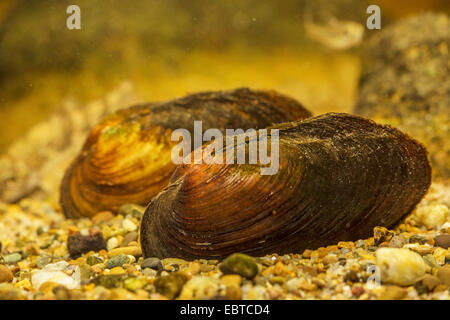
[
  {"x": 293, "y": 284},
  {"x": 112, "y": 243},
  {"x": 430, "y": 281},
  {"x": 5, "y": 274},
  {"x": 129, "y": 237},
  {"x": 416, "y": 238},
  {"x": 131, "y": 209},
  {"x": 133, "y": 283},
  {"x": 231, "y": 280},
  {"x": 117, "y": 270},
  {"x": 398, "y": 241},
  {"x": 432, "y": 215},
  {"x": 102, "y": 217},
  {"x": 116, "y": 261},
  {"x": 12, "y": 258},
  {"x": 427, "y": 284},
  {"x": 149, "y": 272},
  {"x": 61, "y": 293},
  {"x": 444, "y": 274},
  {"x": 330, "y": 259},
  {"x": 400, "y": 266},
  {"x": 174, "y": 261},
  {"x": 360, "y": 244},
  {"x": 170, "y": 285},
  {"x": 129, "y": 225},
  {"x": 351, "y": 276},
  {"x": 93, "y": 260},
  {"x": 357, "y": 291},
  {"x": 42, "y": 261},
  {"x": 233, "y": 293},
  {"x": 442, "y": 240},
  {"x": 78, "y": 244},
  {"x": 199, "y": 287},
  {"x": 381, "y": 234},
  {"x": 57, "y": 266},
  {"x": 439, "y": 254},
  {"x": 152, "y": 263},
  {"x": 241, "y": 264},
  {"x": 59, "y": 277},
  {"x": 108, "y": 280},
  {"x": 131, "y": 259},
  {"x": 85, "y": 272},
  {"x": 131, "y": 251},
  {"x": 307, "y": 254},
  {"x": 431, "y": 261},
  {"x": 393, "y": 293}
]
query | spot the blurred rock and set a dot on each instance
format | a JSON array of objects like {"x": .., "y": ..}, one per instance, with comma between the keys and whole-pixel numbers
[
  {"x": 405, "y": 82},
  {"x": 36, "y": 163}
]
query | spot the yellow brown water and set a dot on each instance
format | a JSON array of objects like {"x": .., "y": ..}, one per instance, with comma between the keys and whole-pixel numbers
[
  {"x": 167, "y": 49},
  {"x": 323, "y": 82}
]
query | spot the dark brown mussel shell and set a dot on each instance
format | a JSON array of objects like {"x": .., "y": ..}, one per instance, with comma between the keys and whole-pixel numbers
[
  {"x": 127, "y": 157},
  {"x": 339, "y": 176}
]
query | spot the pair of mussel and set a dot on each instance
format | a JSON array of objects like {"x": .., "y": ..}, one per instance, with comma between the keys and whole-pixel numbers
[{"x": 338, "y": 177}]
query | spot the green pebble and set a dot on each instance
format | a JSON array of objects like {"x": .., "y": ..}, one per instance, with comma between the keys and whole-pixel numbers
[
  {"x": 133, "y": 283},
  {"x": 241, "y": 264},
  {"x": 116, "y": 261},
  {"x": 12, "y": 258},
  {"x": 93, "y": 260}
]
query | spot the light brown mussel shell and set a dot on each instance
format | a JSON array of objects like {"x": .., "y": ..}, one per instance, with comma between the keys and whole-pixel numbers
[
  {"x": 127, "y": 157},
  {"x": 339, "y": 176}
]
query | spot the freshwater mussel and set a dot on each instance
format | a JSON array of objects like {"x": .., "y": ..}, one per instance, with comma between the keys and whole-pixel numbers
[
  {"x": 339, "y": 176},
  {"x": 127, "y": 157}
]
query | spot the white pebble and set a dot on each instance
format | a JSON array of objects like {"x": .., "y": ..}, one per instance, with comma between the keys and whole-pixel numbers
[
  {"x": 129, "y": 225},
  {"x": 112, "y": 243},
  {"x": 446, "y": 225},
  {"x": 293, "y": 284},
  {"x": 400, "y": 266},
  {"x": 199, "y": 287},
  {"x": 131, "y": 259},
  {"x": 42, "y": 276},
  {"x": 432, "y": 216},
  {"x": 57, "y": 266}
]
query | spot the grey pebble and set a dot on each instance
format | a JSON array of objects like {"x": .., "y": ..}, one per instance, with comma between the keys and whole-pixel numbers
[
  {"x": 116, "y": 261},
  {"x": 129, "y": 237},
  {"x": 152, "y": 263},
  {"x": 42, "y": 261},
  {"x": 398, "y": 241}
]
